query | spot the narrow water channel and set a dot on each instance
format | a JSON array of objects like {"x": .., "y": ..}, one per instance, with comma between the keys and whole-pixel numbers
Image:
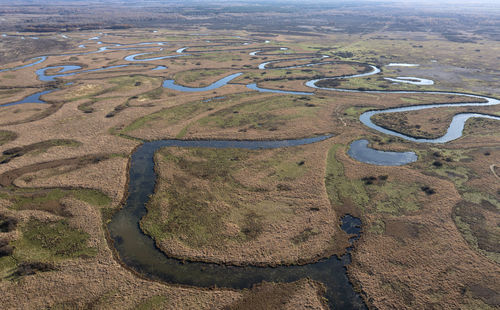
[{"x": 139, "y": 252}]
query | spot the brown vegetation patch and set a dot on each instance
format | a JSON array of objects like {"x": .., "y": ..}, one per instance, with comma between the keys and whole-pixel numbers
[
  {"x": 51, "y": 206},
  {"x": 7, "y": 178},
  {"x": 13, "y": 48},
  {"x": 488, "y": 295},
  {"x": 30, "y": 268},
  {"x": 7, "y": 223},
  {"x": 411, "y": 254},
  {"x": 268, "y": 296},
  {"x": 43, "y": 146},
  {"x": 201, "y": 77},
  {"x": 472, "y": 218},
  {"x": 25, "y": 112},
  {"x": 420, "y": 257},
  {"x": 225, "y": 205},
  {"x": 5, "y": 248},
  {"x": 28, "y": 113},
  {"x": 481, "y": 127},
  {"x": 273, "y": 117},
  {"x": 7, "y": 136},
  {"x": 402, "y": 230},
  {"x": 429, "y": 124}
]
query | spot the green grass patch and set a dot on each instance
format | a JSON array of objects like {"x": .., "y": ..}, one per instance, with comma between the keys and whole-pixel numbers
[
  {"x": 289, "y": 170},
  {"x": 197, "y": 76},
  {"x": 219, "y": 57},
  {"x": 189, "y": 219},
  {"x": 392, "y": 197},
  {"x": 176, "y": 114},
  {"x": 285, "y": 166},
  {"x": 87, "y": 107},
  {"x": 377, "y": 83},
  {"x": 478, "y": 197},
  {"x": 167, "y": 117},
  {"x": 263, "y": 114},
  {"x": 50, "y": 241},
  {"x": 28, "y": 199},
  {"x": 155, "y": 302},
  {"x": 8, "y": 265},
  {"x": 6, "y": 136},
  {"x": 208, "y": 163},
  {"x": 443, "y": 163},
  {"x": 354, "y": 112},
  {"x": 481, "y": 127},
  {"x": 129, "y": 82},
  {"x": 377, "y": 227},
  {"x": 182, "y": 133},
  {"x": 93, "y": 197},
  {"x": 341, "y": 190},
  {"x": 399, "y": 198},
  {"x": 190, "y": 216},
  {"x": 151, "y": 95},
  {"x": 206, "y": 194}
]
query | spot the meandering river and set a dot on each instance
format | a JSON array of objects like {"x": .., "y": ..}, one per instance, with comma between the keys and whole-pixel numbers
[{"x": 139, "y": 252}]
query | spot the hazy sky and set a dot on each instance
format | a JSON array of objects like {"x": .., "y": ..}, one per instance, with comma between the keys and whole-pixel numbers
[{"x": 453, "y": 5}]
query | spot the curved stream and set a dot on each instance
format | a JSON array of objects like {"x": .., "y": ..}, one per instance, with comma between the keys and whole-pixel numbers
[
  {"x": 360, "y": 151},
  {"x": 455, "y": 128},
  {"x": 254, "y": 86},
  {"x": 63, "y": 71},
  {"x": 34, "y": 98},
  {"x": 37, "y": 61},
  {"x": 40, "y": 59},
  {"x": 133, "y": 57},
  {"x": 171, "y": 84},
  {"x": 139, "y": 252},
  {"x": 410, "y": 80}
]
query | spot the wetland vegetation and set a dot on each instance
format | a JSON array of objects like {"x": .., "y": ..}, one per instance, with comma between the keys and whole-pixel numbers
[{"x": 273, "y": 162}]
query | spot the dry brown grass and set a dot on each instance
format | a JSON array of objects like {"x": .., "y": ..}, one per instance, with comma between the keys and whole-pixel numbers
[
  {"x": 414, "y": 258},
  {"x": 298, "y": 295},
  {"x": 401, "y": 258},
  {"x": 429, "y": 124},
  {"x": 244, "y": 207}
]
